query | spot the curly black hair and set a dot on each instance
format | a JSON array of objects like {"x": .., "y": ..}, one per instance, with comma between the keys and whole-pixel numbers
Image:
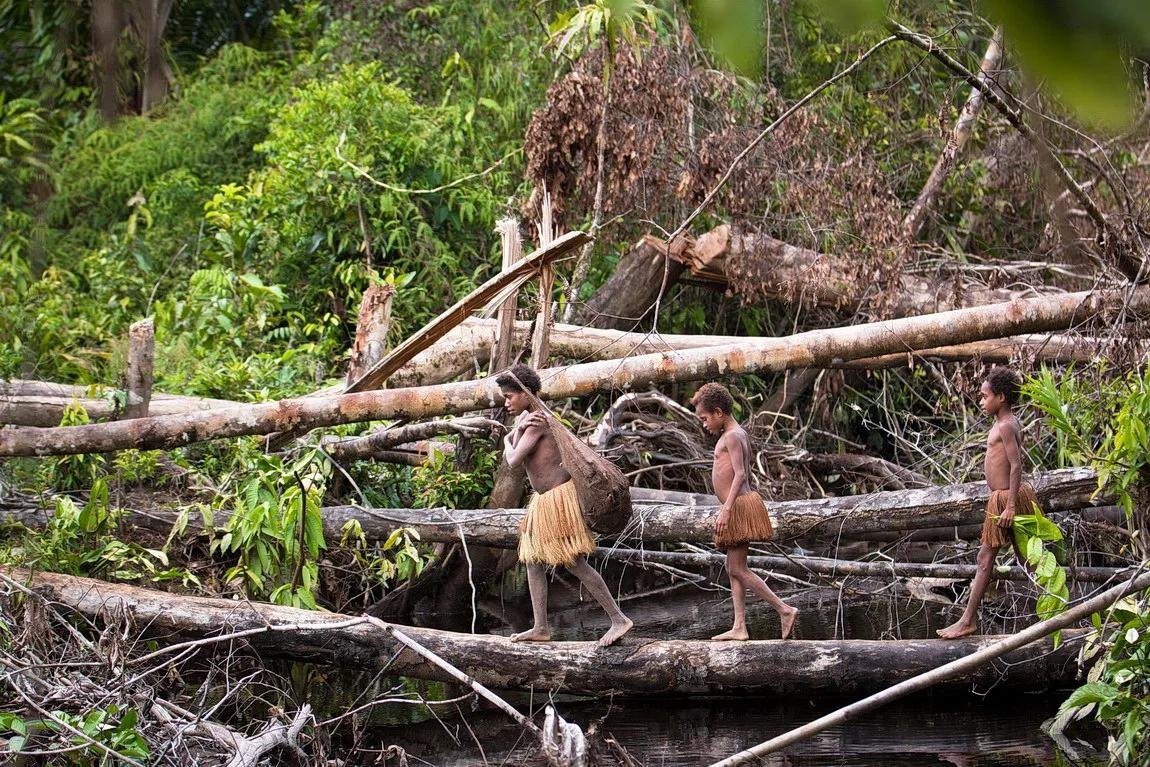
[
  {"x": 524, "y": 373},
  {"x": 1005, "y": 381},
  {"x": 714, "y": 397}
]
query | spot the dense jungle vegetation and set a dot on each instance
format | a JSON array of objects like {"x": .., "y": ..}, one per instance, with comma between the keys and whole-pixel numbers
[{"x": 244, "y": 171}]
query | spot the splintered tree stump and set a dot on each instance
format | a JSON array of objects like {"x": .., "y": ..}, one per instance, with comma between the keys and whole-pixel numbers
[
  {"x": 371, "y": 330},
  {"x": 141, "y": 358}
]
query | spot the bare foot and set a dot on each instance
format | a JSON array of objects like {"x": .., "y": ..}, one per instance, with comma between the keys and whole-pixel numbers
[
  {"x": 736, "y": 635},
  {"x": 957, "y": 630},
  {"x": 788, "y": 621},
  {"x": 534, "y": 635},
  {"x": 617, "y": 630}
]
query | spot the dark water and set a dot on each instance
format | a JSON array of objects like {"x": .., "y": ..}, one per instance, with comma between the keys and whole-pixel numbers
[{"x": 954, "y": 730}]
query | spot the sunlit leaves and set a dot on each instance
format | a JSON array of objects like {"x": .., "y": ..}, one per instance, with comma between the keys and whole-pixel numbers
[
  {"x": 734, "y": 30},
  {"x": 1079, "y": 47}
]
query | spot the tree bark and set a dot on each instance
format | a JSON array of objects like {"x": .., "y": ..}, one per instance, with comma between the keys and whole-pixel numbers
[
  {"x": 842, "y": 568},
  {"x": 667, "y": 517},
  {"x": 963, "y": 127},
  {"x": 628, "y": 295},
  {"x": 42, "y": 403},
  {"x": 635, "y": 666},
  {"x": 371, "y": 330},
  {"x": 354, "y": 448},
  {"x": 508, "y": 228},
  {"x": 815, "y": 348},
  {"x": 141, "y": 358},
  {"x": 758, "y": 266}
]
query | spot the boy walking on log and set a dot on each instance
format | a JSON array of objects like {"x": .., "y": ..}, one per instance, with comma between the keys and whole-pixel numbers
[
  {"x": 1009, "y": 495},
  {"x": 553, "y": 531},
  {"x": 743, "y": 515}
]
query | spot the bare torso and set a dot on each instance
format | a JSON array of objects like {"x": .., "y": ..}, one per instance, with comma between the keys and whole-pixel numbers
[
  {"x": 997, "y": 465},
  {"x": 544, "y": 470},
  {"x": 723, "y": 473}
]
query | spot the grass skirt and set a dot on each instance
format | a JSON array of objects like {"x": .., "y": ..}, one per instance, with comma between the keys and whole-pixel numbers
[
  {"x": 553, "y": 531},
  {"x": 749, "y": 522},
  {"x": 992, "y": 534}
]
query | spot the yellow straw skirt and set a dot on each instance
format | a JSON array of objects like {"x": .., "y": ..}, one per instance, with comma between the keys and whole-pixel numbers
[
  {"x": 749, "y": 522},
  {"x": 553, "y": 531},
  {"x": 992, "y": 534}
]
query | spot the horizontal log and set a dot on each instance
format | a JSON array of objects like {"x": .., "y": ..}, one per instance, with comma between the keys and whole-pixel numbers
[
  {"x": 816, "y": 348},
  {"x": 846, "y": 567},
  {"x": 674, "y": 523},
  {"x": 636, "y": 665}
]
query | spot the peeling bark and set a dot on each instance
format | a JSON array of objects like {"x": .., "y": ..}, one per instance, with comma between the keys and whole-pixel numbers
[
  {"x": 815, "y": 348},
  {"x": 141, "y": 358}
]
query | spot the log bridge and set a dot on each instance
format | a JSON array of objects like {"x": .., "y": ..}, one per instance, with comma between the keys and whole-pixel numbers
[{"x": 635, "y": 666}]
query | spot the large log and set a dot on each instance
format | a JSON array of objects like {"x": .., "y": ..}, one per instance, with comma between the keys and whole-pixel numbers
[
  {"x": 758, "y": 266},
  {"x": 842, "y": 568},
  {"x": 628, "y": 296},
  {"x": 42, "y": 403},
  {"x": 635, "y": 665},
  {"x": 815, "y": 348},
  {"x": 468, "y": 348},
  {"x": 676, "y": 523}
]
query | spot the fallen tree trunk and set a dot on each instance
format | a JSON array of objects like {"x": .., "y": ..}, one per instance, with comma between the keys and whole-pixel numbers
[
  {"x": 815, "y": 348},
  {"x": 46, "y": 409},
  {"x": 468, "y": 348},
  {"x": 370, "y": 445},
  {"x": 759, "y": 267},
  {"x": 675, "y": 523},
  {"x": 845, "y": 567},
  {"x": 634, "y": 666},
  {"x": 629, "y": 294}
]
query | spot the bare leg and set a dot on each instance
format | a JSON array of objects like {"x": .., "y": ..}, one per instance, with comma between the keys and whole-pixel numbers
[
  {"x": 738, "y": 570},
  {"x": 593, "y": 581},
  {"x": 968, "y": 623},
  {"x": 537, "y": 585},
  {"x": 738, "y": 630}
]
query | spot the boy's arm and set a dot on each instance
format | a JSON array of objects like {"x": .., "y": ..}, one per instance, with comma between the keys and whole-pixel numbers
[
  {"x": 516, "y": 452},
  {"x": 1012, "y": 447}
]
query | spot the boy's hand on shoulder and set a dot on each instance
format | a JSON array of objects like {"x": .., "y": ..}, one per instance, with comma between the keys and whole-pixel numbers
[{"x": 533, "y": 419}]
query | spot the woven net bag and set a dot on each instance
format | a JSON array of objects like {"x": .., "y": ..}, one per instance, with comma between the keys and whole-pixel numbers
[{"x": 604, "y": 493}]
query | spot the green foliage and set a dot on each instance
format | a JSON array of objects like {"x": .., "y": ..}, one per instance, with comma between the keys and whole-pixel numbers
[
  {"x": 1030, "y": 532},
  {"x": 84, "y": 541},
  {"x": 1118, "y": 690},
  {"x": 396, "y": 559},
  {"x": 275, "y": 529},
  {"x": 1104, "y": 425},
  {"x": 73, "y": 472},
  {"x": 608, "y": 21},
  {"x": 1079, "y": 47},
  {"x": 335, "y": 199},
  {"x": 207, "y": 134},
  {"x": 438, "y": 483},
  {"x": 734, "y": 30},
  {"x": 113, "y": 727}
]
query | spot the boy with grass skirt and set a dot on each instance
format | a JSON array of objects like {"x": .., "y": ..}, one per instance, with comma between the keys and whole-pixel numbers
[{"x": 743, "y": 516}]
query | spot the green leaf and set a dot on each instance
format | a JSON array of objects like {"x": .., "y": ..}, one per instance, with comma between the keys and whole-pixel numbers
[
  {"x": 1078, "y": 48},
  {"x": 733, "y": 29},
  {"x": 1091, "y": 692}
]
